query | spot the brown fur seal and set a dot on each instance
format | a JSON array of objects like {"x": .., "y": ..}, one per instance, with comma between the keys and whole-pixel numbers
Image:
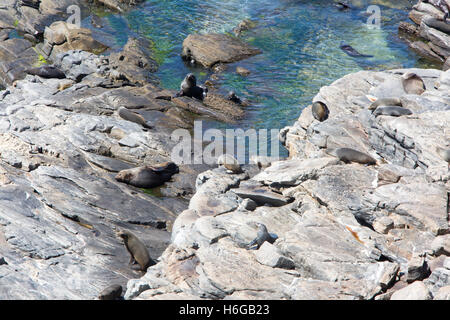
[
  {"x": 385, "y": 102},
  {"x": 262, "y": 236},
  {"x": 138, "y": 251},
  {"x": 437, "y": 24},
  {"x": 393, "y": 111},
  {"x": 128, "y": 115},
  {"x": 230, "y": 163},
  {"x": 348, "y": 155},
  {"x": 148, "y": 176},
  {"x": 46, "y": 72},
  {"x": 111, "y": 293},
  {"x": 320, "y": 111},
  {"x": 189, "y": 88},
  {"x": 413, "y": 84}
]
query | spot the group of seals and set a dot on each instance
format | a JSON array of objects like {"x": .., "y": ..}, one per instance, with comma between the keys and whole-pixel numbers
[
  {"x": 148, "y": 176},
  {"x": 320, "y": 111},
  {"x": 138, "y": 251},
  {"x": 262, "y": 236},
  {"x": 128, "y": 115},
  {"x": 230, "y": 163},
  {"x": 189, "y": 88},
  {"x": 352, "y": 52},
  {"x": 441, "y": 5},
  {"x": 47, "y": 72}
]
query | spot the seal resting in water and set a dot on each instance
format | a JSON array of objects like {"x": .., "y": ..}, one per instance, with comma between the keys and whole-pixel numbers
[
  {"x": 413, "y": 84},
  {"x": 341, "y": 5},
  {"x": 46, "y": 72},
  {"x": 230, "y": 163},
  {"x": 148, "y": 176},
  {"x": 111, "y": 293},
  {"x": 320, "y": 111},
  {"x": 348, "y": 49},
  {"x": 190, "y": 89},
  {"x": 348, "y": 155},
  {"x": 393, "y": 111},
  {"x": 138, "y": 251}
]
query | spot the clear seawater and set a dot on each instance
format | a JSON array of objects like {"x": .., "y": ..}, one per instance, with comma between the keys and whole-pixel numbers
[{"x": 299, "y": 39}]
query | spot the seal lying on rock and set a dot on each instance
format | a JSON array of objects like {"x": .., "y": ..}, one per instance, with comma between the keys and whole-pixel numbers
[
  {"x": 128, "y": 115},
  {"x": 230, "y": 163},
  {"x": 46, "y": 72},
  {"x": 393, "y": 111},
  {"x": 320, "y": 111},
  {"x": 138, "y": 251},
  {"x": 413, "y": 84},
  {"x": 348, "y": 155},
  {"x": 263, "y": 162},
  {"x": 348, "y": 49},
  {"x": 148, "y": 176},
  {"x": 190, "y": 89},
  {"x": 441, "y": 5},
  {"x": 385, "y": 102},
  {"x": 437, "y": 24},
  {"x": 111, "y": 293},
  {"x": 262, "y": 236}
]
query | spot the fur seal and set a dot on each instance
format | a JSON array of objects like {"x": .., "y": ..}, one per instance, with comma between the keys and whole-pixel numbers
[
  {"x": 128, "y": 115},
  {"x": 31, "y": 3},
  {"x": 443, "y": 153},
  {"x": 352, "y": 52},
  {"x": 230, "y": 163},
  {"x": 262, "y": 236},
  {"x": 46, "y": 72},
  {"x": 138, "y": 251},
  {"x": 393, "y": 111},
  {"x": 190, "y": 89},
  {"x": 96, "y": 21},
  {"x": 441, "y": 5},
  {"x": 111, "y": 293},
  {"x": 385, "y": 102},
  {"x": 341, "y": 5},
  {"x": 348, "y": 155},
  {"x": 413, "y": 84},
  {"x": 148, "y": 176},
  {"x": 263, "y": 162},
  {"x": 233, "y": 97},
  {"x": 320, "y": 111}
]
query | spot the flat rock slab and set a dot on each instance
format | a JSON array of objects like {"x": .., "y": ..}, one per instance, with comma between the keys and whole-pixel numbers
[{"x": 210, "y": 49}]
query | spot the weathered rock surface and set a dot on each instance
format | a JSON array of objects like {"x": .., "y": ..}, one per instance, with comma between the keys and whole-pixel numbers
[
  {"x": 429, "y": 35},
  {"x": 348, "y": 231},
  {"x": 211, "y": 49}
]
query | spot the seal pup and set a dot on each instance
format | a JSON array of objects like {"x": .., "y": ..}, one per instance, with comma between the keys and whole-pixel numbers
[
  {"x": 320, "y": 111},
  {"x": 441, "y": 5},
  {"x": 348, "y": 155},
  {"x": 148, "y": 176},
  {"x": 385, "y": 102},
  {"x": 46, "y": 72},
  {"x": 393, "y": 111},
  {"x": 230, "y": 163},
  {"x": 190, "y": 89},
  {"x": 413, "y": 84},
  {"x": 138, "y": 251},
  {"x": 262, "y": 236},
  {"x": 128, "y": 115},
  {"x": 352, "y": 52},
  {"x": 112, "y": 292}
]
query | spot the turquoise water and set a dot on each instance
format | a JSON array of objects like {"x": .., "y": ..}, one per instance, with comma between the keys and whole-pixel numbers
[{"x": 300, "y": 42}]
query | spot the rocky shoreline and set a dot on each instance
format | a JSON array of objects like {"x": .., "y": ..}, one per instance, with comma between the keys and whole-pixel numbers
[{"x": 343, "y": 231}]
